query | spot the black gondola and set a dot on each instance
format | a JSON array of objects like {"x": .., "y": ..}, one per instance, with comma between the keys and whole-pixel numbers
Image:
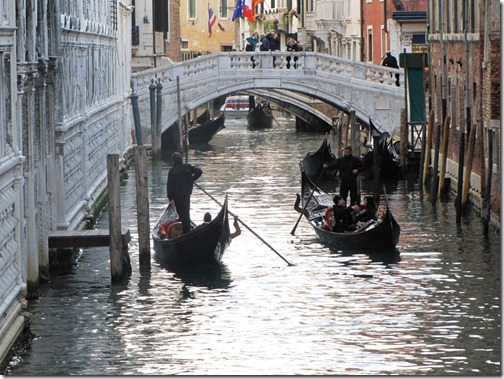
[
  {"x": 203, "y": 133},
  {"x": 259, "y": 115},
  {"x": 313, "y": 162},
  {"x": 390, "y": 166},
  {"x": 204, "y": 244},
  {"x": 376, "y": 235}
]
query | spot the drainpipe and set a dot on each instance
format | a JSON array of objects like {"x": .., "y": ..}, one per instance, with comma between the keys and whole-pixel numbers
[
  {"x": 154, "y": 33},
  {"x": 362, "y": 33},
  {"x": 443, "y": 61},
  {"x": 466, "y": 81}
]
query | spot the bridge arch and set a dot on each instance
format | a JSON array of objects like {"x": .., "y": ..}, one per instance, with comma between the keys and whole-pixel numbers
[{"x": 368, "y": 90}]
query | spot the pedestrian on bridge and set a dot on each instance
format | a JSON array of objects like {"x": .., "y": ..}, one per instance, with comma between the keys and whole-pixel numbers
[
  {"x": 179, "y": 188},
  {"x": 251, "y": 42},
  {"x": 391, "y": 61}
]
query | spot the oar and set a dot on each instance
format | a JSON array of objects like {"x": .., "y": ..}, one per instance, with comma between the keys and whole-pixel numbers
[
  {"x": 245, "y": 225},
  {"x": 307, "y": 201},
  {"x": 275, "y": 119}
]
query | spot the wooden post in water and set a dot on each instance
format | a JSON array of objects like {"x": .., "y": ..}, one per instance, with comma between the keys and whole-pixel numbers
[
  {"x": 428, "y": 143},
  {"x": 152, "y": 98},
  {"x": 142, "y": 197},
  {"x": 179, "y": 114},
  {"x": 156, "y": 137},
  {"x": 351, "y": 124},
  {"x": 344, "y": 135},
  {"x": 468, "y": 167},
  {"x": 488, "y": 196},
  {"x": 444, "y": 156},
  {"x": 435, "y": 177},
  {"x": 376, "y": 169},
  {"x": 458, "y": 200},
  {"x": 403, "y": 156},
  {"x": 422, "y": 158},
  {"x": 115, "y": 247}
]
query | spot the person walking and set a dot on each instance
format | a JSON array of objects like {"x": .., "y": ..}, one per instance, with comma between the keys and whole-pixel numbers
[
  {"x": 179, "y": 188},
  {"x": 391, "y": 61},
  {"x": 348, "y": 167}
]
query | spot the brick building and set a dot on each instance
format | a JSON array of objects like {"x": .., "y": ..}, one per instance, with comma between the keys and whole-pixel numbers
[{"x": 464, "y": 44}]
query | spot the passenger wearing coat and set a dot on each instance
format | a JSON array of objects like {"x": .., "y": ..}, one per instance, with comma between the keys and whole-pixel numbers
[
  {"x": 340, "y": 216},
  {"x": 179, "y": 188}
]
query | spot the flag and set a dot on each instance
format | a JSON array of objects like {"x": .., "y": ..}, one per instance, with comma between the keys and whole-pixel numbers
[
  {"x": 238, "y": 10},
  {"x": 255, "y": 3},
  {"x": 248, "y": 11},
  {"x": 212, "y": 19}
]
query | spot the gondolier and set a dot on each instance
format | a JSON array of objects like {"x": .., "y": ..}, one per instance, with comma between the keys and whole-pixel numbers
[
  {"x": 348, "y": 167},
  {"x": 179, "y": 188}
]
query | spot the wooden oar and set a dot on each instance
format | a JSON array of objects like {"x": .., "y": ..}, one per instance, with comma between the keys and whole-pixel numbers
[
  {"x": 307, "y": 201},
  {"x": 245, "y": 225}
]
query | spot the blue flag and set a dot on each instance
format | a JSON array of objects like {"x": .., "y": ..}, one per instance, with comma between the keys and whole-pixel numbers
[{"x": 238, "y": 9}]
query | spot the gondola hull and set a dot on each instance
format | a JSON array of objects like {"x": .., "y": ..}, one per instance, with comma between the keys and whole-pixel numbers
[
  {"x": 314, "y": 161},
  {"x": 203, "y": 245},
  {"x": 200, "y": 134},
  {"x": 259, "y": 118},
  {"x": 382, "y": 235}
]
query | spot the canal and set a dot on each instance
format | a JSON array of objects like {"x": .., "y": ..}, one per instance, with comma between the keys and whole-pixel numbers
[{"x": 433, "y": 309}]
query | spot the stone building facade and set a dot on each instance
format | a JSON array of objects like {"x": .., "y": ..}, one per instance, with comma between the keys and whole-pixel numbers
[
  {"x": 465, "y": 83},
  {"x": 64, "y": 105}
]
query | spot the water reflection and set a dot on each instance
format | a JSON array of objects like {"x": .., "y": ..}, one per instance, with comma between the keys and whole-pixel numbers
[
  {"x": 432, "y": 307},
  {"x": 208, "y": 276}
]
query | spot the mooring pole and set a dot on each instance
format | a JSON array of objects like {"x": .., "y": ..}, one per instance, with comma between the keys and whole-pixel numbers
[
  {"x": 136, "y": 116},
  {"x": 154, "y": 134},
  {"x": 116, "y": 248},
  {"x": 156, "y": 143},
  {"x": 142, "y": 197}
]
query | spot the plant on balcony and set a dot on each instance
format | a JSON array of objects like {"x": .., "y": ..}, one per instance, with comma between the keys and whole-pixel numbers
[{"x": 269, "y": 25}]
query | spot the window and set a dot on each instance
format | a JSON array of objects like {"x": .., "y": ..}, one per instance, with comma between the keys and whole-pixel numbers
[
  {"x": 191, "y": 10},
  {"x": 223, "y": 10},
  {"x": 309, "y": 6},
  {"x": 370, "y": 45}
]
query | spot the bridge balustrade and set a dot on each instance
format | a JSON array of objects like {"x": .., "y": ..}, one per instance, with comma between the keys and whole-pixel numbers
[{"x": 367, "y": 89}]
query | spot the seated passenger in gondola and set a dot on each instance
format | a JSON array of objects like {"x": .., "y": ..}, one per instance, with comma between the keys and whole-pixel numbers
[
  {"x": 339, "y": 217},
  {"x": 366, "y": 211}
]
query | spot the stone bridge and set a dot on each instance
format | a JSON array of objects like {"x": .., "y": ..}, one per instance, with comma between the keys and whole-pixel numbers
[{"x": 367, "y": 89}]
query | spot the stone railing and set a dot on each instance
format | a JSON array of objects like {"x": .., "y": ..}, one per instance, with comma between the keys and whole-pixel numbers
[{"x": 302, "y": 62}]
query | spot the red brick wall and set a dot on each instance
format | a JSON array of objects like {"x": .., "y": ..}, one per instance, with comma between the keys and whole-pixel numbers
[
  {"x": 173, "y": 45},
  {"x": 484, "y": 98}
]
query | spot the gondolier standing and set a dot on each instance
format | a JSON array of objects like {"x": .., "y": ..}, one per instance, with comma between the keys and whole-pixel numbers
[
  {"x": 348, "y": 167},
  {"x": 179, "y": 188}
]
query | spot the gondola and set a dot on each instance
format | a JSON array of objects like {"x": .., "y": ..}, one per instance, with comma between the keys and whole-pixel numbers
[
  {"x": 313, "y": 162},
  {"x": 390, "y": 166},
  {"x": 204, "y": 244},
  {"x": 203, "y": 133},
  {"x": 259, "y": 115},
  {"x": 375, "y": 235}
]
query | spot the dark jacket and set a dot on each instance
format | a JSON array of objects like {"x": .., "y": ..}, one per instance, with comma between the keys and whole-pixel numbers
[
  {"x": 345, "y": 165},
  {"x": 274, "y": 42},
  {"x": 265, "y": 45},
  {"x": 180, "y": 180},
  {"x": 342, "y": 218}
]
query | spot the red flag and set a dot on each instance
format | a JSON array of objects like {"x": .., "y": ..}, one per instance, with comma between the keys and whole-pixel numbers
[{"x": 248, "y": 11}]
